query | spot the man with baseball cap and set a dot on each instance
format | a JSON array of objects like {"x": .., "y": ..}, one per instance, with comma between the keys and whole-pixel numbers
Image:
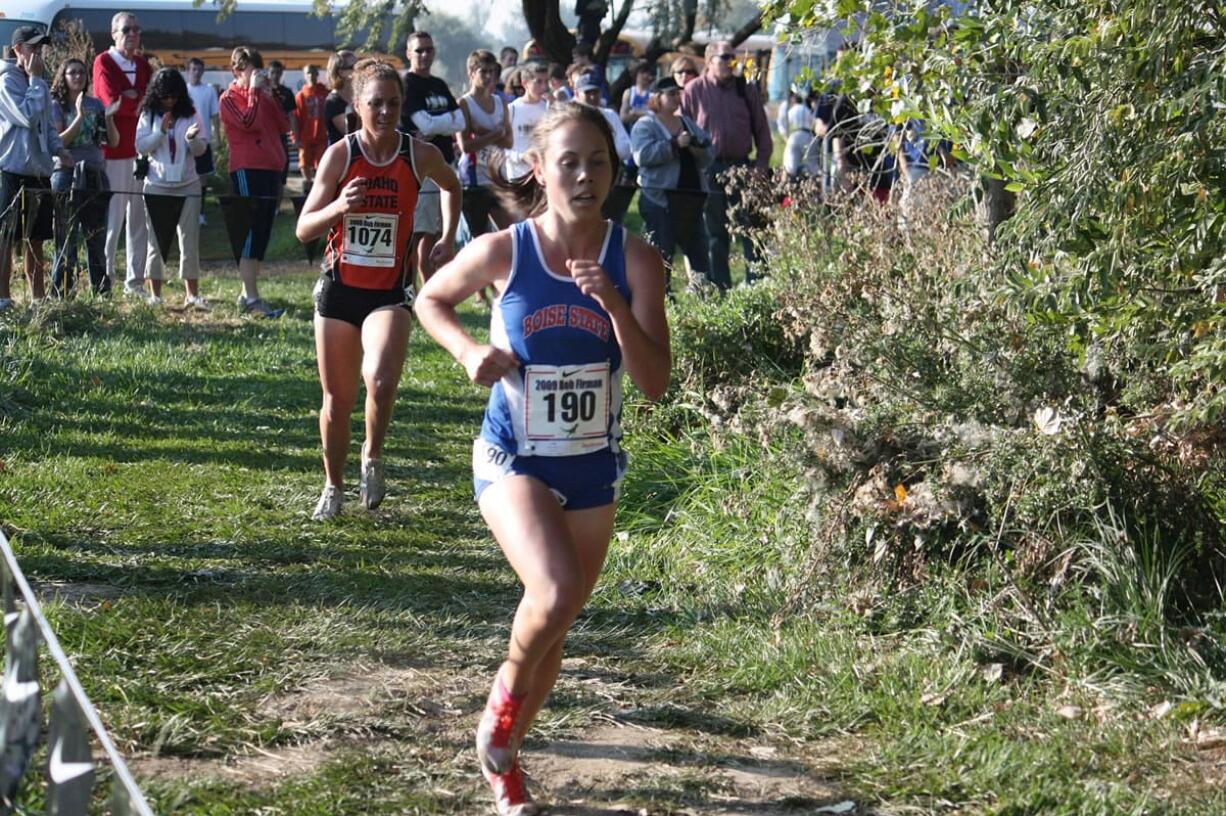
[
  {"x": 28, "y": 143},
  {"x": 588, "y": 92}
]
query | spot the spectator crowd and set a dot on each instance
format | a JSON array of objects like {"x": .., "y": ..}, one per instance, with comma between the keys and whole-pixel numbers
[{"x": 88, "y": 154}]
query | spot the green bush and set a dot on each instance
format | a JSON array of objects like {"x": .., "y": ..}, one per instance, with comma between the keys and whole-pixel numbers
[
  {"x": 1104, "y": 119},
  {"x": 938, "y": 426}
]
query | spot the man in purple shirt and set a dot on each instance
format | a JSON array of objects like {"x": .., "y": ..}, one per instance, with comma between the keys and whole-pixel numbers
[{"x": 730, "y": 110}]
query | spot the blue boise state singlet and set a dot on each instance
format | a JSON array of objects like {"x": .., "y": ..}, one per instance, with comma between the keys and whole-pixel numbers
[{"x": 565, "y": 399}]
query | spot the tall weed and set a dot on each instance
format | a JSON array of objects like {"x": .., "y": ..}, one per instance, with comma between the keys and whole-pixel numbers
[{"x": 939, "y": 426}]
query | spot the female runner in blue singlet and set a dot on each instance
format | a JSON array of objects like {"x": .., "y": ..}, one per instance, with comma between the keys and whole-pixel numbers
[{"x": 580, "y": 301}]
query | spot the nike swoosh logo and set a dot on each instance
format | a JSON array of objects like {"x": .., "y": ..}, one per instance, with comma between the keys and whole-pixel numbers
[
  {"x": 18, "y": 692},
  {"x": 566, "y": 374},
  {"x": 61, "y": 771}
]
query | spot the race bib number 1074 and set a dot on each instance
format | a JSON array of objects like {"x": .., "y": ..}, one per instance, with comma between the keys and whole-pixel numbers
[{"x": 370, "y": 239}]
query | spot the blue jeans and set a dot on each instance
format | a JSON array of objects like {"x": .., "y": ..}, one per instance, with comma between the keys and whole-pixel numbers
[
  {"x": 659, "y": 223},
  {"x": 80, "y": 217},
  {"x": 719, "y": 239}
]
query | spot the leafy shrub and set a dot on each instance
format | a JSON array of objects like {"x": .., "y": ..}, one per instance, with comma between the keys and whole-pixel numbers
[
  {"x": 726, "y": 340},
  {"x": 1103, "y": 118},
  {"x": 941, "y": 426}
]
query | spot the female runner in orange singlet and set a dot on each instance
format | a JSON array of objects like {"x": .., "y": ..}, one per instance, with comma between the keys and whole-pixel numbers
[{"x": 363, "y": 198}]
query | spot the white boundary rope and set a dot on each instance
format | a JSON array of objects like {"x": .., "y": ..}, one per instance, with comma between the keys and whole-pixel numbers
[{"x": 135, "y": 796}]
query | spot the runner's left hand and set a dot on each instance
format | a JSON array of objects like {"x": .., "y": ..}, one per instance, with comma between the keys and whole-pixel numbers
[
  {"x": 592, "y": 281},
  {"x": 441, "y": 253}
]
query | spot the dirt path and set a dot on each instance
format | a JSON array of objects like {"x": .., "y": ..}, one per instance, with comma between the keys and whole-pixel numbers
[{"x": 609, "y": 766}]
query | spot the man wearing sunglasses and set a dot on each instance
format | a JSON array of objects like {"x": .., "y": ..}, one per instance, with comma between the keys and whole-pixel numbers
[
  {"x": 730, "y": 110},
  {"x": 431, "y": 113},
  {"x": 122, "y": 73}
]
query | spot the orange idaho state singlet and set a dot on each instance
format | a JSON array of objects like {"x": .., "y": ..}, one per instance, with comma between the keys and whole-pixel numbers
[{"x": 367, "y": 248}]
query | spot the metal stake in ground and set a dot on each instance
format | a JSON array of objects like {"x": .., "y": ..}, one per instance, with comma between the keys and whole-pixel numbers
[
  {"x": 70, "y": 766},
  {"x": 20, "y": 712}
]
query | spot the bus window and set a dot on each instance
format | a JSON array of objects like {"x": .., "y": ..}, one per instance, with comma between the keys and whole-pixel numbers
[
  {"x": 159, "y": 26},
  {"x": 307, "y": 32},
  {"x": 201, "y": 29},
  {"x": 263, "y": 29},
  {"x": 96, "y": 21}
]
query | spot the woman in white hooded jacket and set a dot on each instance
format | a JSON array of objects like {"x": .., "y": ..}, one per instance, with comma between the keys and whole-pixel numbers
[{"x": 171, "y": 133}]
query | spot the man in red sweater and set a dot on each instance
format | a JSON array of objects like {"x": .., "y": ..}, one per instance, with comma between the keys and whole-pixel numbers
[{"x": 122, "y": 73}]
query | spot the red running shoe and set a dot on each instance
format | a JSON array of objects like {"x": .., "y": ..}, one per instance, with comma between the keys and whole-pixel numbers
[
  {"x": 496, "y": 746},
  {"x": 510, "y": 797}
]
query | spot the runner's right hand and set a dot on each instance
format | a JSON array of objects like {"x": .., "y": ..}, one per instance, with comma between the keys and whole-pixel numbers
[
  {"x": 353, "y": 196},
  {"x": 486, "y": 364}
]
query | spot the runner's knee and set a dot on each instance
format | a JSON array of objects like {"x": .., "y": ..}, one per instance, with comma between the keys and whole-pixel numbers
[
  {"x": 338, "y": 406},
  {"x": 380, "y": 386},
  {"x": 554, "y": 605}
]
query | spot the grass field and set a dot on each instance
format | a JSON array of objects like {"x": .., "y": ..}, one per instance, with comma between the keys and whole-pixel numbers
[{"x": 157, "y": 472}]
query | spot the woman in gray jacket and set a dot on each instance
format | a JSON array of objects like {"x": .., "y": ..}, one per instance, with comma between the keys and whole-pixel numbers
[
  {"x": 672, "y": 152},
  {"x": 28, "y": 143}
]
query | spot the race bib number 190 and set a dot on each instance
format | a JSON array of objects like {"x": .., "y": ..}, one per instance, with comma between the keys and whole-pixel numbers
[
  {"x": 566, "y": 402},
  {"x": 370, "y": 239}
]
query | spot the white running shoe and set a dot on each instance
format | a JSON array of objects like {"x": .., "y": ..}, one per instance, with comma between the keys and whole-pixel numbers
[
  {"x": 329, "y": 506},
  {"x": 154, "y": 300},
  {"x": 196, "y": 302},
  {"x": 373, "y": 488},
  {"x": 510, "y": 796},
  {"x": 257, "y": 306}
]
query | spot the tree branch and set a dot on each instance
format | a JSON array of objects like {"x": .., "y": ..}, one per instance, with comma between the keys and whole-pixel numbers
[
  {"x": 610, "y": 35},
  {"x": 746, "y": 31},
  {"x": 658, "y": 47},
  {"x": 545, "y": 23},
  {"x": 687, "y": 27}
]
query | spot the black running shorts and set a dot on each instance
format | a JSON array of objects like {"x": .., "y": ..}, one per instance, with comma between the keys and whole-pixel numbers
[{"x": 353, "y": 305}]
